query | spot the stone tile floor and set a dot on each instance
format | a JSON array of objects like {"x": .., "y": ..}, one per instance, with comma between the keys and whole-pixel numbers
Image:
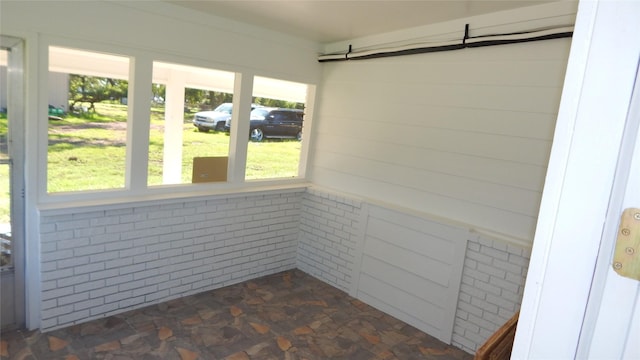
[{"x": 289, "y": 315}]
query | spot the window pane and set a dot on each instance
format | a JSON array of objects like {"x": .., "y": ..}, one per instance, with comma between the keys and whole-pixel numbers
[
  {"x": 87, "y": 116},
  {"x": 5, "y": 170},
  {"x": 275, "y": 129},
  {"x": 188, "y": 114}
]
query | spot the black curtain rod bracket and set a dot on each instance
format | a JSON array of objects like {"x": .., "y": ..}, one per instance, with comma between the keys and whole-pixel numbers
[
  {"x": 556, "y": 32},
  {"x": 466, "y": 34}
]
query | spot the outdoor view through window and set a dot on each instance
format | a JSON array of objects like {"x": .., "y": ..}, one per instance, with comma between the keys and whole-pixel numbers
[
  {"x": 190, "y": 122},
  {"x": 5, "y": 168},
  {"x": 87, "y": 118},
  {"x": 188, "y": 112},
  {"x": 275, "y": 129},
  {"x": 191, "y": 119}
]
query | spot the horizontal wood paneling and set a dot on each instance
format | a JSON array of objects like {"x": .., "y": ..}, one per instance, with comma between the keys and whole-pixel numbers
[
  {"x": 512, "y": 199},
  {"x": 407, "y": 282},
  {"x": 526, "y": 150},
  {"x": 406, "y": 304},
  {"x": 484, "y": 169},
  {"x": 393, "y": 310},
  {"x": 411, "y": 240},
  {"x": 508, "y": 222},
  {"x": 495, "y": 61},
  {"x": 464, "y": 135},
  {"x": 501, "y": 97},
  {"x": 531, "y": 125},
  {"x": 407, "y": 260},
  {"x": 411, "y": 268}
]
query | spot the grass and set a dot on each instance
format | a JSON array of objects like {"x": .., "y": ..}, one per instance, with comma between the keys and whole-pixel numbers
[
  {"x": 4, "y": 194},
  {"x": 273, "y": 159},
  {"x": 4, "y": 172},
  {"x": 88, "y": 152}
]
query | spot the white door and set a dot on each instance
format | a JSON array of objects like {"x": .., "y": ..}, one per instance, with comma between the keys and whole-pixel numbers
[
  {"x": 574, "y": 306},
  {"x": 12, "y": 271},
  {"x": 612, "y": 323}
]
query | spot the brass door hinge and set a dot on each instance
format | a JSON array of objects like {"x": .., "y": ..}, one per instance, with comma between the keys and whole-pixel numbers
[{"x": 626, "y": 258}]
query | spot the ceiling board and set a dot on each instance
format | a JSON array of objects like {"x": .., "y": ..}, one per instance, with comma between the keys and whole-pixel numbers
[{"x": 331, "y": 21}]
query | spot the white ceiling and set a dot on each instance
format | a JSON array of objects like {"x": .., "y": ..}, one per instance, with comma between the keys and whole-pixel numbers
[{"x": 328, "y": 21}]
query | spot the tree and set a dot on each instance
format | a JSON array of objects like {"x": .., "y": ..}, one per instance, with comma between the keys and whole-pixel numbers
[
  {"x": 92, "y": 89},
  {"x": 278, "y": 103},
  {"x": 194, "y": 96},
  {"x": 217, "y": 98},
  {"x": 158, "y": 92}
]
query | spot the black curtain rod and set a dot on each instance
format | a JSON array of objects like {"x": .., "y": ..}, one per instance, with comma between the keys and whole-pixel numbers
[{"x": 467, "y": 42}]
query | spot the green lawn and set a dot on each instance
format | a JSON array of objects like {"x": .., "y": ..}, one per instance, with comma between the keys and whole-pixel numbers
[
  {"x": 4, "y": 171},
  {"x": 89, "y": 153},
  {"x": 273, "y": 159},
  {"x": 4, "y": 194}
]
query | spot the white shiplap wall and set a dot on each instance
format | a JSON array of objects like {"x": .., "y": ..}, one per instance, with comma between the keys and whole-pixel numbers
[
  {"x": 411, "y": 268},
  {"x": 463, "y": 135}
]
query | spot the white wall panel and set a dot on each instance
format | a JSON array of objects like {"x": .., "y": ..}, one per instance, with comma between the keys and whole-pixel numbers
[
  {"x": 498, "y": 60},
  {"x": 173, "y": 33},
  {"x": 411, "y": 268},
  {"x": 497, "y": 171},
  {"x": 483, "y": 193},
  {"x": 465, "y": 134},
  {"x": 508, "y": 222},
  {"x": 408, "y": 282},
  {"x": 417, "y": 319},
  {"x": 398, "y": 257},
  {"x": 534, "y": 125},
  {"x": 388, "y": 130}
]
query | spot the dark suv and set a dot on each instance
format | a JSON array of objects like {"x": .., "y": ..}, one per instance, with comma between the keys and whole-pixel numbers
[{"x": 274, "y": 123}]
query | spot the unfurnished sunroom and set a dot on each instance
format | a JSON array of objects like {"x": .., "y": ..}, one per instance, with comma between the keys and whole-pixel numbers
[{"x": 417, "y": 188}]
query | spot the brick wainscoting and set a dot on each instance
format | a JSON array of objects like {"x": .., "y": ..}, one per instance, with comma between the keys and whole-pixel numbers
[
  {"x": 329, "y": 226},
  {"x": 97, "y": 262},
  {"x": 491, "y": 291}
]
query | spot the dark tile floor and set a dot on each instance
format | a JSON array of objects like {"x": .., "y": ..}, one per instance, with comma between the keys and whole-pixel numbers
[{"x": 289, "y": 315}]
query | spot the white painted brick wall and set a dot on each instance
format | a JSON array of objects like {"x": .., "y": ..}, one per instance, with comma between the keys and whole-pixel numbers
[
  {"x": 328, "y": 230},
  {"x": 491, "y": 291},
  {"x": 98, "y": 263},
  {"x": 493, "y": 274}
]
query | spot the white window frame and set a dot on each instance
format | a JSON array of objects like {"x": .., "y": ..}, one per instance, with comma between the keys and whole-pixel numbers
[{"x": 138, "y": 125}]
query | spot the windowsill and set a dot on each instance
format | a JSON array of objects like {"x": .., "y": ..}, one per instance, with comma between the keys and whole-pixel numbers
[{"x": 66, "y": 203}]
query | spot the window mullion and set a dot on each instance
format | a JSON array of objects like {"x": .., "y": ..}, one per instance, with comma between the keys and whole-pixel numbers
[
  {"x": 139, "y": 114},
  {"x": 243, "y": 90}
]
